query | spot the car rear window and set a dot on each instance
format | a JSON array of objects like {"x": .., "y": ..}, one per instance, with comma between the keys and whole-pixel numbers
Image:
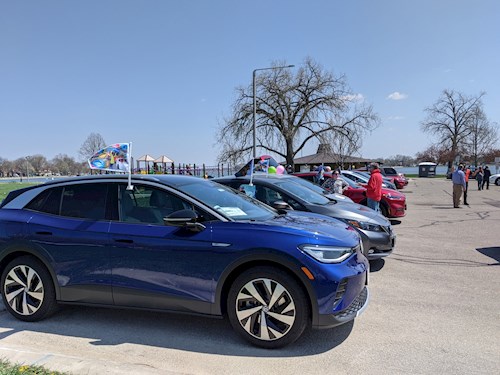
[{"x": 48, "y": 201}]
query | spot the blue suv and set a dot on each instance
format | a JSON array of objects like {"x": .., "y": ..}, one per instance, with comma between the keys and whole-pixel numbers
[{"x": 178, "y": 243}]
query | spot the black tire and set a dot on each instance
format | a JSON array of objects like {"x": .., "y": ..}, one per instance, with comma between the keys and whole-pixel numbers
[
  {"x": 248, "y": 302},
  {"x": 27, "y": 289},
  {"x": 384, "y": 210},
  {"x": 497, "y": 181}
]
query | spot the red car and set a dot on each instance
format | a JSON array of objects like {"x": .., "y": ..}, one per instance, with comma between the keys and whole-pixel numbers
[
  {"x": 397, "y": 179},
  {"x": 393, "y": 203}
]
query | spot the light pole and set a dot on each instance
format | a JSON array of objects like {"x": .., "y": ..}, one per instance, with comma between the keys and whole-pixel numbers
[
  {"x": 27, "y": 169},
  {"x": 255, "y": 103}
]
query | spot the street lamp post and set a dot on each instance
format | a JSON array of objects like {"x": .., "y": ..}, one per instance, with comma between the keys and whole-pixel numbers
[
  {"x": 27, "y": 169},
  {"x": 255, "y": 104}
]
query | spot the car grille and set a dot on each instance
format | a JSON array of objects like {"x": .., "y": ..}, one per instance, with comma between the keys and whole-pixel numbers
[{"x": 355, "y": 306}]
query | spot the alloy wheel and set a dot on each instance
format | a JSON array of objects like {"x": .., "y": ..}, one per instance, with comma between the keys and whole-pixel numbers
[
  {"x": 265, "y": 309},
  {"x": 23, "y": 290}
]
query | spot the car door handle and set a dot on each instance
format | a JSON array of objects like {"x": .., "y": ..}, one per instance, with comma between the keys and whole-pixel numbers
[
  {"x": 123, "y": 240},
  {"x": 44, "y": 233}
]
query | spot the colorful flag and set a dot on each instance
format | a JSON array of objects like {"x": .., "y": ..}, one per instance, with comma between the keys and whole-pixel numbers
[{"x": 115, "y": 158}]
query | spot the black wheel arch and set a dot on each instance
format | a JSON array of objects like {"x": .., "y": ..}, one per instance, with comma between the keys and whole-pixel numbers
[
  {"x": 264, "y": 257},
  {"x": 19, "y": 250}
]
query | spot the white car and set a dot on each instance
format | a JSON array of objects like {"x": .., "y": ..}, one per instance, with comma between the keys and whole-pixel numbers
[{"x": 495, "y": 179}]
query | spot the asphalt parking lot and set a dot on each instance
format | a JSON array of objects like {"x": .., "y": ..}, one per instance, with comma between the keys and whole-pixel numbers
[{"x": 434, "y": 309}]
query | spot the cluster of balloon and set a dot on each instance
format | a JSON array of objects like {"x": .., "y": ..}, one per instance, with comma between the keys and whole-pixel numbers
[{"x": 276, "y": 170}]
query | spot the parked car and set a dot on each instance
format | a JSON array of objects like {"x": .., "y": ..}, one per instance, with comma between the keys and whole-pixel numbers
[
  {"x": 355, "y": 192},
  {"x": 392, "y": 205},
  {"x": 495, "y": 179},
  {"x": 399, "y": 179},
  {"x": 283, "y": 192},
  {"x": 394, "y": 176},
  {"x": 386, "y": 180},
  {"x": 393, "y": 202},
  {"x": 363, "y": 177},
  {"x": 329, "y": 194},
  {"x": 178, "y": 243}
]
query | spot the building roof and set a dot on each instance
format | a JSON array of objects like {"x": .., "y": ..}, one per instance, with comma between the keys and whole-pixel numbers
[{"x": 324, "y": 155}]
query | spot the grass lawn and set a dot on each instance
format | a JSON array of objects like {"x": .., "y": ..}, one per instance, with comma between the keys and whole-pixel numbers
[
  {"x": 7, "y": 368},
  {"x": 7, "y": 187}
]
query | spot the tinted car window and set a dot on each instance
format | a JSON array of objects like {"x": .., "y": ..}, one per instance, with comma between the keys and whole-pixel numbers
[
  {"x": 48, "y": 201},
  {"x": 149, "y": 205},
  {"x": 390, "y": 170},
  {"x": 87, "y": 201}
]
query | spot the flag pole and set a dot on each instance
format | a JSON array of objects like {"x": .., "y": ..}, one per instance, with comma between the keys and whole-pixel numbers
[
  {"x": 252, "y": 166},
  {"x": 129, "y": 162}
]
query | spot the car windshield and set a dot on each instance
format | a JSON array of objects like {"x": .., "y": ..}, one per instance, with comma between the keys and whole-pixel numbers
[
  {"x": 360, "y": 176},
  {"x": 366, "y": 174},
  {"x": 302, "y": 192},
  {"x": 226, "y": 201}
]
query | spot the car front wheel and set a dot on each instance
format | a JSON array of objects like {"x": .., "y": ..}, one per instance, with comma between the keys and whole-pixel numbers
[
  {"x": 268, "y": 307},
  {"x": 27, "y": 289},
  {"x": 497, "y": 181}
]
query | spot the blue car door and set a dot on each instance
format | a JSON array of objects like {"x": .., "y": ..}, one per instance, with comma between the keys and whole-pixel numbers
[
  {"x": 70, "y": 229},
  {"x": 154, "y": 265}
]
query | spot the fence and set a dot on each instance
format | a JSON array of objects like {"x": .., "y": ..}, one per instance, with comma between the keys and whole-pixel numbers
[{"x": 219, "y": 170}]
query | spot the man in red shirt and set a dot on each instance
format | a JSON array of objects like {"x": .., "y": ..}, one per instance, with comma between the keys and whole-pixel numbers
[{"x": 374, "y": 187}]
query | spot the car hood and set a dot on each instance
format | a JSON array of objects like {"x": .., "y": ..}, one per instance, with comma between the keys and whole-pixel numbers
[
  {"x": 316, "y": 226},
  {"x": 350, "y": 211},
  {"x": 339, "y": 197}
]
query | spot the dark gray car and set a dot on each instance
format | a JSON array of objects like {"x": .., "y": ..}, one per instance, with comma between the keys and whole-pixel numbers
[{"x": 282, "y": 191}]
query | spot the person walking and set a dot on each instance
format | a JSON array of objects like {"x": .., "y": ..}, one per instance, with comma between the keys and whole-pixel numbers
[
  {"x": 479, "y": 177},
  {"x": 467, "y": 174},
  {"x": 374, "y": 187},
  {"x": 486, "y": 178},
  {"x": 458, "y": 179}
]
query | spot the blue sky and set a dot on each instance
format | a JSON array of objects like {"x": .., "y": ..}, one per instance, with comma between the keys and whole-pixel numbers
[{"x": 163, "y": 74}]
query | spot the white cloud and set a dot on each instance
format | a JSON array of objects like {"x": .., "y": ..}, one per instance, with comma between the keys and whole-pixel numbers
[
  {"x": 395, "y": 118},
  {"x": 397, "y": 96},
  {"x": 354, "y": 98}
]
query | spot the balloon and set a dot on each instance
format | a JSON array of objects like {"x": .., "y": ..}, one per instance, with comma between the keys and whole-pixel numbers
[
  {"x": 271, "y": 170},
  {"x": 280, "y": 169}
]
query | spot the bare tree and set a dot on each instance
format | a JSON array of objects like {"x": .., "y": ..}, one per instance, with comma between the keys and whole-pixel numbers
[
  {"x": 483, "y": 137},
  {"x": 66, "y": 165},
  {"x": 92, "y": 144},
  {"x": 343, "y": 143},
  {"x": 38, "y": 163},
  {"x": 450, "y": 119},
  {"x": 438, "y": 154},
  {"x": 292, "y": 110}
]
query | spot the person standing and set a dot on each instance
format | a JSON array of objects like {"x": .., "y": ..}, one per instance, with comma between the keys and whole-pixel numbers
[
  {"x": 335, "y": 184},
  {"x": 486, "y": 178},
  {"x": 374, "y": 187},
  {"x": 467, "y": 174},
  {"x": 458, "y": 179},
  {"x": 479, "y": 177}
]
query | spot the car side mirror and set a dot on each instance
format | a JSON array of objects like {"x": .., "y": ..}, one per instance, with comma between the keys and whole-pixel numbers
[
  {"x": 184, "y": 219},
  {"x": 282, "y": 205}
]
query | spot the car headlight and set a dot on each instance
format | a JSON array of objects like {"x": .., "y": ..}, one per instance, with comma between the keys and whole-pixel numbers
[
  {"x": 365, "y": 226},
  {"x": 328, "y": 254},
  {"x": 394, "y": 197}
]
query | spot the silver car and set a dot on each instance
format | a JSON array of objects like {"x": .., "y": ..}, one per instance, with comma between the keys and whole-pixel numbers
[{"x": 284, "y": 192}]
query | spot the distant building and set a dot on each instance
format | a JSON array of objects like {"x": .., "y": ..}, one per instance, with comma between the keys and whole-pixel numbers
[{"x": 327, "y": 157}]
